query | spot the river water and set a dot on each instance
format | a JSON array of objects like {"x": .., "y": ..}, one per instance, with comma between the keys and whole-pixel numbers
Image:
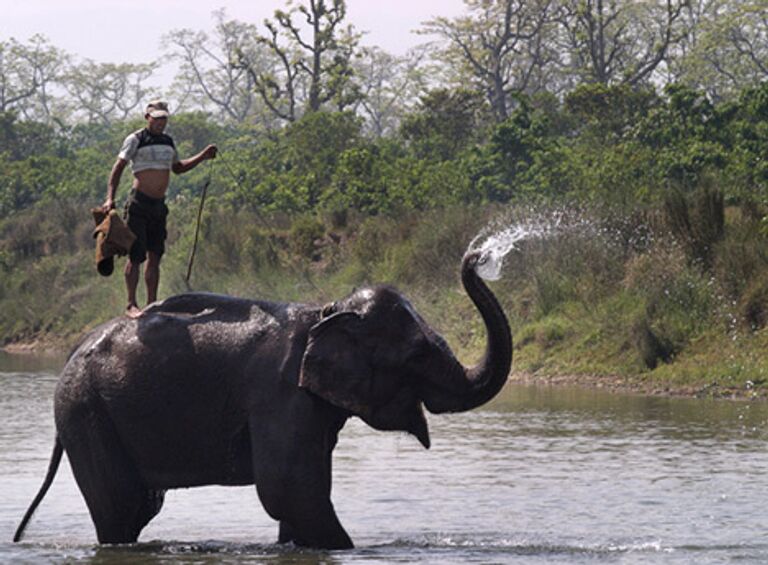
[{"x": 540, "y": 475}]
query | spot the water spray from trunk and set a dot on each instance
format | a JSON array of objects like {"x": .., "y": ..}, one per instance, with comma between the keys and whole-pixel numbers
[{"x": 499, "y": 238}]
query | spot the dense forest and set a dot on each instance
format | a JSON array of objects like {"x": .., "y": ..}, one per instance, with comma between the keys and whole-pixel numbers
[{"x": 639, "y": 128}]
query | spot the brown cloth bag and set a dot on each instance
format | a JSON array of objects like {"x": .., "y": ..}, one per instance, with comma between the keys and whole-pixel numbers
[{"x": 113, "y": 237}]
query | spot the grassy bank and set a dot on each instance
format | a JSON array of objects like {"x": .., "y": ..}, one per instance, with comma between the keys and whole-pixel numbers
[{"x": 641, "y": 301}]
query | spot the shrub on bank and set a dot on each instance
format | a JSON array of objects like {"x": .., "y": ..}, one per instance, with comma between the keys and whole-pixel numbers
[{"x": 594, "y": 301}]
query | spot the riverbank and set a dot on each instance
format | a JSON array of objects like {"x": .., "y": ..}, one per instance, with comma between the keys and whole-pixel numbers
[
  {"x": 48, "y": 348},
  {"x": 54, "y": 352},
  {"x": 638, "y": 385},
  {"x": 587, "y": 306}
]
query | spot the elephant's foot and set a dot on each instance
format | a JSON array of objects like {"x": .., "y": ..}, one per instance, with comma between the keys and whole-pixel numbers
[
  {"x": 320, "y": 540},
  {"x": 286, "y": 533},
  {"x": 121, "y": 509}
]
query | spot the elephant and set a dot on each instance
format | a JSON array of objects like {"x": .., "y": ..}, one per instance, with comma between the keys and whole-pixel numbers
[{"x": 207, "y": 389}]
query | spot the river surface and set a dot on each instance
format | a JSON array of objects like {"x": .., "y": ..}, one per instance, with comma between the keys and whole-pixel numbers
[{"x": 540, "y": 475}]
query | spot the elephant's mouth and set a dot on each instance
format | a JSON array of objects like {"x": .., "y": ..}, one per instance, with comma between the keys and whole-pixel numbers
[
  {"x": 420, "y": 428},
  {"x": 407, "y": 416}
]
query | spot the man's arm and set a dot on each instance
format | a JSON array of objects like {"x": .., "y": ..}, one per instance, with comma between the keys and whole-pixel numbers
[
  {"x": 189, "y": 164},
  {"x": 113, "y": 183}
]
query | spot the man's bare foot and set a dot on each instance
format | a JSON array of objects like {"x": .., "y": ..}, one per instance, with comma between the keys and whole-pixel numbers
[{"x": 133, "y": 311}]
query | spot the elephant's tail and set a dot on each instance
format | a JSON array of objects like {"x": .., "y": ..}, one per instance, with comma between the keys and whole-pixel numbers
[{"x": 53, "y": 466}]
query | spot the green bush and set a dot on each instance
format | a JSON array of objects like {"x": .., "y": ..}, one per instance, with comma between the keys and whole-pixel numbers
[
  {"x": 684, "y": 308},
  {"x": 550, "y": 332},
  {"x": 753, "y": 305},
  {"x": 374, "y": 236},
  {"x": 741, "y": 255},
  {"x": 303, "y": 236},
  {"x": 650, "y": 347}
]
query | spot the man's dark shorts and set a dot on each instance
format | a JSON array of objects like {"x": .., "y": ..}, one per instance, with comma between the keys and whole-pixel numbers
[{"x": 146, "y": 218}]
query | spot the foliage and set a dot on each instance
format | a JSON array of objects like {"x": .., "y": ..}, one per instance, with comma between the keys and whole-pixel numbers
[
  {"x": 445, "y": 122},
  {"x": 608, "y": 113},
  {"x": 303, "y": 236},
  {"x": 601, "y": 145}
]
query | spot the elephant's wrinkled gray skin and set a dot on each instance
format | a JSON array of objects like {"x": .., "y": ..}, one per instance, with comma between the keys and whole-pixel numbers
[{"x": 207, "y": 389}]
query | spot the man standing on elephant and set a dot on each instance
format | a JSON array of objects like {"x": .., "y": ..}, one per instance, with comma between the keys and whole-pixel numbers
[{"x": 152, "y": 155}]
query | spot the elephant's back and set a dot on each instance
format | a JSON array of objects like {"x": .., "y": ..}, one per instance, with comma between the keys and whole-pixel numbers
[
  {"x": 196, "y": 303},
  {"x": 182, "y": 324},
  {"x": 172, "y": 382},
  {"x": 192, "y": 344}
]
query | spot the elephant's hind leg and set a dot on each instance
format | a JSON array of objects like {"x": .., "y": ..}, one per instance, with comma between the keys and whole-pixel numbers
[{"x": 119, "y": 502}]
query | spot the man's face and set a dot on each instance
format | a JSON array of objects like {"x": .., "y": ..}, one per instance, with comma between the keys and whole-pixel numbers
[{"x": 156, "y": 125}]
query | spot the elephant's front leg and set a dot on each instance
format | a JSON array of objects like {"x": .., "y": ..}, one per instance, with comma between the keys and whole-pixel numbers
[
  {"x": 314, "y": 524},
  {"x": 293, "y": 479}
]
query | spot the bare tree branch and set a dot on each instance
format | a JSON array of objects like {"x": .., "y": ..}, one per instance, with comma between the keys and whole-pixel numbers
[{"x": 494, "y": 45}]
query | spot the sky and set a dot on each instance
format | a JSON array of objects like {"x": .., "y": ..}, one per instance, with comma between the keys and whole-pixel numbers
[{"x": 129, "y": 31}]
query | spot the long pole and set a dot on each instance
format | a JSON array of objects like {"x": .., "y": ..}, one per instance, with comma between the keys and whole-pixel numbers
[{"x": 197, "y": 227}]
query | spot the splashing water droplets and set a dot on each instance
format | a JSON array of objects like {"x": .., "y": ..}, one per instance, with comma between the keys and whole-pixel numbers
[{"x": 497, "y": 246}]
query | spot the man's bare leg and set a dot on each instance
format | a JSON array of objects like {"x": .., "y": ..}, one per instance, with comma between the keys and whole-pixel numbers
[
  {"x": 152, "y": 276},
  {"x": 131, "y": 282}
]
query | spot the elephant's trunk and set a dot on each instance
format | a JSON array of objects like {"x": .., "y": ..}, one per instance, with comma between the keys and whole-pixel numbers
[{"x": 466, "y": 388}]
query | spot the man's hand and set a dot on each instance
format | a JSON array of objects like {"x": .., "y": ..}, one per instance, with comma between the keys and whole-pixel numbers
[
  {"x": 113, "y": 183},
  {"x": 210, "y": 152},
  {"x": 185, "y": 165}
]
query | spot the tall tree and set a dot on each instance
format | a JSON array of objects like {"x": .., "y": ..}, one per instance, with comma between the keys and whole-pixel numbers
[
  {"x": 389, "y": 86},
  {"x": 27, "y": 72},
  {"x": 619, "y": 41},
  {"x": 208, "y": 73},
  {"x": 106, "y": 92},
  {"x": 727, "y": 48},
  {"x": 498, "y": 44},
  {"x": 315, "y": 56}
]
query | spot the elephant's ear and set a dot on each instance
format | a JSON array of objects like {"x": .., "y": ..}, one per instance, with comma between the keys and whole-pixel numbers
[{"x": 336, "y": 365}]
